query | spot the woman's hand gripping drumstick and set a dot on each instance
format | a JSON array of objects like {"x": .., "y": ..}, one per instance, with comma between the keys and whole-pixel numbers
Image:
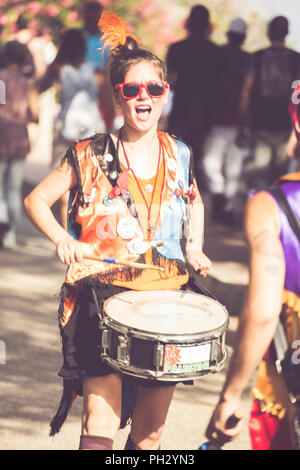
[
  {"x": 70, "y": 250},
  {"x": 218, "y": 438},
  {"x": 198, "y": 260},
  {"x": 225, "y": 424}
]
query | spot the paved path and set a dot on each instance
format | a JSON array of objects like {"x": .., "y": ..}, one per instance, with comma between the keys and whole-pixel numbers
[{"x": 30, "y": 279}]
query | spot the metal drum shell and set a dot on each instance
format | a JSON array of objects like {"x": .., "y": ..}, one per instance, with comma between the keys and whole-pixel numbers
[{"x": 130, "y": 339}]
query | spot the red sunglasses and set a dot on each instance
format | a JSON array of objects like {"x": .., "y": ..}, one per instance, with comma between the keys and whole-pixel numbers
[{"x": 132, "y": 90}]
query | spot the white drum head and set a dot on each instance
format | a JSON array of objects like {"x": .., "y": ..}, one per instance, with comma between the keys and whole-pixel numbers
[{"x": 166, "y": 312}]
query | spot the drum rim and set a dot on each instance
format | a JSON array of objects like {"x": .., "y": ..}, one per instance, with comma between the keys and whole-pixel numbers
[
  {"x": 165, "y": 337},
  {"x": 120, "y": 294},
  {"x": 221, "y": 328}
]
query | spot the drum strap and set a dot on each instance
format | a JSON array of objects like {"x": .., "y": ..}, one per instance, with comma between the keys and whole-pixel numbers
[
  {"x": 196, "y": 284},
  {"x": 279, "y": 195},
  {"x": 97, "y": 303}
]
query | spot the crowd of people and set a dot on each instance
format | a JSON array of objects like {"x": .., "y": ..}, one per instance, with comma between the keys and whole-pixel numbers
[
  {"x": 229, "y": 130},
  {"x": 231, "y": 107},
  {"x": 75, "y": 71}
]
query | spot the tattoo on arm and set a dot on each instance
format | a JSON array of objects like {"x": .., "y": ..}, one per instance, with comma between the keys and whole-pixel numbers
[
  {"x": 267, "y": 244},
  {"x": 272, "y": 269}
]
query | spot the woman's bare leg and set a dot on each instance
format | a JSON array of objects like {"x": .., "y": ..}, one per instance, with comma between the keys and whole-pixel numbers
[
  {"x": 101, "y": 407},
  {"x": 149, "y": 416}
]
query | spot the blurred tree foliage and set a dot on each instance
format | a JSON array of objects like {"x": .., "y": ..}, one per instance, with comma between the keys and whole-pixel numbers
[
  {"x": 156, "y": 23},
  {"x": 149, "y": 19}
]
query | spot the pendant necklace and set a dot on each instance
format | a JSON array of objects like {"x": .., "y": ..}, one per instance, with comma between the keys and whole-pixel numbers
[{"x": 150, "y": 228}]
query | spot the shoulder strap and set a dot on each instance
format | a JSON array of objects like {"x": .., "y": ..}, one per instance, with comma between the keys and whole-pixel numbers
[
  {"x": 279, "y": 195},
  {"x": 185, "y": 149}
]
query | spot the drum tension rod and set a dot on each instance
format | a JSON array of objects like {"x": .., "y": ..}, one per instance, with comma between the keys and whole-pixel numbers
[
  {"x": 158, "y": 356},
  {"x": 122, "y": 350}
]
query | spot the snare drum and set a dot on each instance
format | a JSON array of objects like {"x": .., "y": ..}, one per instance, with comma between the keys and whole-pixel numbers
[{"x": 164, "y": 335}]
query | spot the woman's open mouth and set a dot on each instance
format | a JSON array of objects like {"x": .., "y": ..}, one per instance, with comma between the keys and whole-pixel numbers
[{"x": 143, "y": 112}]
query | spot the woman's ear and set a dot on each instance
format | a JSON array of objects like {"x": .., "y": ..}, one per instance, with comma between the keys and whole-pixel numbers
[{"x": 116, "y": 95}]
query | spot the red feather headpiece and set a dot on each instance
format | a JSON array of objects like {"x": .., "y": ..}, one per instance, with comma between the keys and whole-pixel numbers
[{"x": 114, "y": 29}]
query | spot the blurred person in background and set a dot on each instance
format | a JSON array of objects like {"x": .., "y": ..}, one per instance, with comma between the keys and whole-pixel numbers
[
  {"x": 193, "y": 68},
  {"x": 41, "y": 46},
  {"x": 1, "y": 48},
  {"x": 79, "y": 115},
  {"x": 91, "y": 13},
  {"x": 21, "y": 106},
  {"x": 224, "y": 148},
  {"x": 24, "y": 35},
  {"x": 40, "y": 52},
  {"x": 43, "y": 50},
  {"x": 275, "y": 69}
]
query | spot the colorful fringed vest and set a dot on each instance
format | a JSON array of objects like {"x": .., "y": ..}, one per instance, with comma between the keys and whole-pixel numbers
[{"x": 103, "y": 215}]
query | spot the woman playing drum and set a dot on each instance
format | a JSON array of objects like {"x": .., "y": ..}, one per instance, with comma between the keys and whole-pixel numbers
[{"x": 131, "y": 192}]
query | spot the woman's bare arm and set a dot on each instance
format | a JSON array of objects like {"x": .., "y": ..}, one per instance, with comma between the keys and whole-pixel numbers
[
  {"x": 259, "y": 318},
  {"x": 34, "y": 105},
  {"x": 38, "y": 208},
  {"x": 195, "y": 235}
]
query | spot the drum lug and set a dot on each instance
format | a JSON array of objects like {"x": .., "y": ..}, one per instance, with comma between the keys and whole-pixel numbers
[
  {"x": 158, "y": 355},
  {"x": 216, "y": 351},
  {"x": 106, "y": 339},
  {"x": 122, "y": 349}
]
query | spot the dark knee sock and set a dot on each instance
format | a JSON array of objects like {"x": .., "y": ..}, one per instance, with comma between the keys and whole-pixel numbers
[{"x": 95, "y": 443}]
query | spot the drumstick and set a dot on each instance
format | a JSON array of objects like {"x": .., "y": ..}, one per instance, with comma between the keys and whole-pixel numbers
[
  {"x": 132, "y": 264},
  {"x": 218, "y": 442}
]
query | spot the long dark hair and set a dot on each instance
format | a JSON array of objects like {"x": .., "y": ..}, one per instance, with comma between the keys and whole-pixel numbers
[
  {"x": 72, "y": 48},
  {"x": 15, "y": 52}
]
